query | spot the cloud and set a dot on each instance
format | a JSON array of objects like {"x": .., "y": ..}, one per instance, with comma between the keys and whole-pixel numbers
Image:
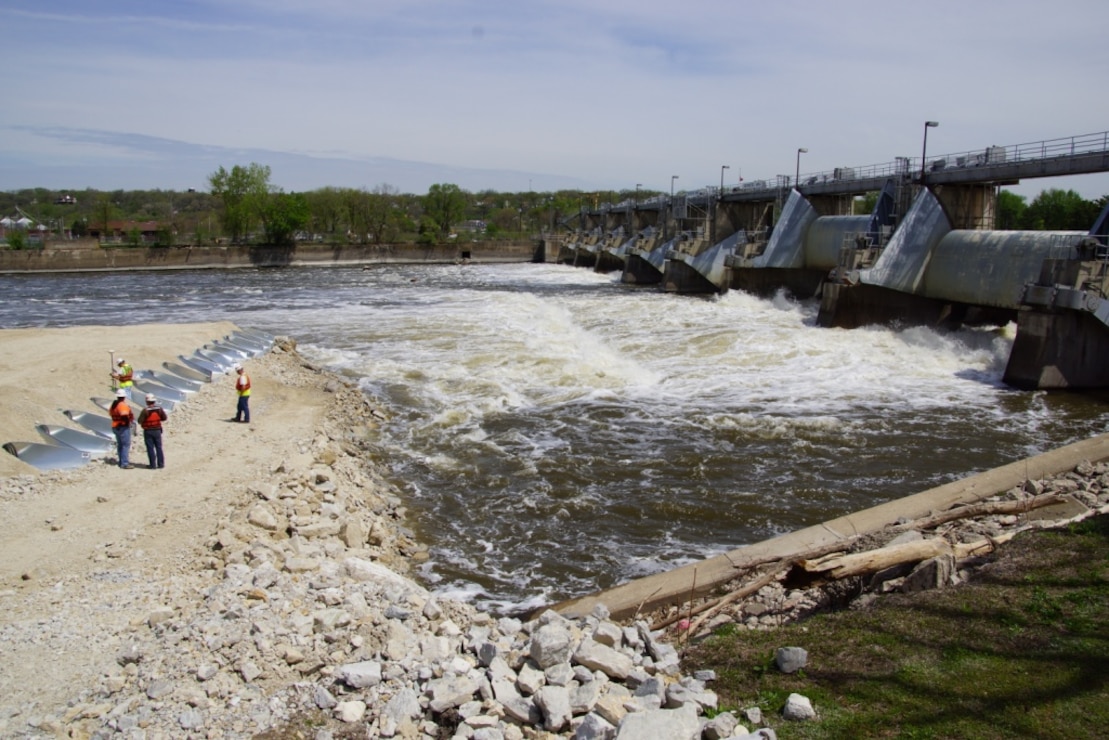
[{"x": 604, "y": 94}]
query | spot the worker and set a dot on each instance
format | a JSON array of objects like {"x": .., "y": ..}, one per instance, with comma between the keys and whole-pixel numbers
[
  {"x": 150, "y": 419},
  {"x": 242, "y": 388},
  {"x": 122, "y": 419}
]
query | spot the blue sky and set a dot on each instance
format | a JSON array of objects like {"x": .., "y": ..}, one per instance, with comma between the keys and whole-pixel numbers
[{"x": 521, "y": 94}]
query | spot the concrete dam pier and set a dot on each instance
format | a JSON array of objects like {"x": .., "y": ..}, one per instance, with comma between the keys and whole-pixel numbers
[{"x": 927, "y": 253}]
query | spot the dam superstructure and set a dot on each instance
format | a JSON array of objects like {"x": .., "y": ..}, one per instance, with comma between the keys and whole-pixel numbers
[{"x": 926, "y": 252}]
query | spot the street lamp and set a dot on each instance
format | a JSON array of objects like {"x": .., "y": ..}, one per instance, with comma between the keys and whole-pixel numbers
[
  {"x": 638, "y": 185},
  {"x": 797, "y": 168},
  {"x": 722, "y": 168},
  {"x": 672, "y": 179},
  {"x": 924, "y": 150}
]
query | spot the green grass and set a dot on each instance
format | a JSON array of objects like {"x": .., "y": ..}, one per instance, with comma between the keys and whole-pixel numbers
[{"x": 1020, "y": 651}]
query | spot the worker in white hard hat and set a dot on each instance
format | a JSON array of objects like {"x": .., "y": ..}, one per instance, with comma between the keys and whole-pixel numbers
[
  {"x": 122, "y": 419},
  {"x": 150, "y": 419}
]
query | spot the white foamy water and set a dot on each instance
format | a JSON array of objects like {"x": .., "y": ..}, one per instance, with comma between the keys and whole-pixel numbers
[{"x": 556, "y": 432}]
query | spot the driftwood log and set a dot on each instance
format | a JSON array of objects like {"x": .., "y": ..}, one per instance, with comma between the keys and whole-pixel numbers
[
  {"x": 872, "y": 561},
  {"x": 716, "y": 604},
  {"x": 989, "y": 508},
  {"x": 830, "y": 562}
]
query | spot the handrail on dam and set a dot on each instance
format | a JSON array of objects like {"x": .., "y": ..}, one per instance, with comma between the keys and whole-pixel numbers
[{"x": 1046, "y": 150}]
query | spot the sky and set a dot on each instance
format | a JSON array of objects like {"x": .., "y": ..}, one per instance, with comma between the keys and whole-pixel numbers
[{"x": 512, "y": 95}]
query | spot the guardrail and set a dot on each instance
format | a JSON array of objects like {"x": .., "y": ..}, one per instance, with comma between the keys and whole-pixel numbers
[
  {"x": 1034, "y": 151},
  {"x": 1045, "y": 150}
]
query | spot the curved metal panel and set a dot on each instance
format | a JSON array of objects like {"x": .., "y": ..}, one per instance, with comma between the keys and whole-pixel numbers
[
  {"x": 657, "y": 256},
  {"x": 825, "y": 238},
  {"x": 47, "y": 457},
  {"x": 712, "y": 262},
  {"x": 786, "y": 247},
  {"x": 902, "y": 263},
  {"x": 991, "y": 268}
]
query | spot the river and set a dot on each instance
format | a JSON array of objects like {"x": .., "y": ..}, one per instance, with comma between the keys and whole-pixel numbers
[{"x": 555, "y": 432}]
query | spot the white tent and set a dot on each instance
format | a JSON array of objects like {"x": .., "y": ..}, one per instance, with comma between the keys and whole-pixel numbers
[{"x": 5, "y": 222}]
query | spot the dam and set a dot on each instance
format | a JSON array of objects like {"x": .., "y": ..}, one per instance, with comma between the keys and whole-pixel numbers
[{"x": 928, "y": 253}]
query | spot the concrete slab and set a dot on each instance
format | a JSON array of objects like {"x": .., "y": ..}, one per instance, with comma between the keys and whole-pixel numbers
[{"x": 1068, "y": 508}]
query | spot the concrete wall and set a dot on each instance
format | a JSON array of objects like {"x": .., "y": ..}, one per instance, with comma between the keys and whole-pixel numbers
[
  {"x": 969, "y": 206},
  {"x": 170, "y": 258}
]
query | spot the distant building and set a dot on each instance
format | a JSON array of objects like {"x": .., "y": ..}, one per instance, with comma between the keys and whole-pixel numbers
[
  {"x": 475, "y": 226},
  {"x": 120, "y": 230}
]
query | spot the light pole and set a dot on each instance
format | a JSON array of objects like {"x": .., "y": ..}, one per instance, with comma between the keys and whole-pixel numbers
[
  {"x": 797, "y": 168},
  {"x": 924, "y": 149},
  {"x": 722, "y": 168},
  {"x": 638, "y": 185},
  {"x": 670, "y": 218}
]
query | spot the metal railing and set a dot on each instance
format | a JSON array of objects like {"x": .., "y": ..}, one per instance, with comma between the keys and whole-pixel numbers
[
  {"x": 1047, "y": 149},
  {"x": 904, "y": 167}
]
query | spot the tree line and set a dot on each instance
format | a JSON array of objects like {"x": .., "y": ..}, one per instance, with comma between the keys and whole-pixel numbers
[
  {"x": 1051, "y": 210},
  {"x": 243, "y": 207}
]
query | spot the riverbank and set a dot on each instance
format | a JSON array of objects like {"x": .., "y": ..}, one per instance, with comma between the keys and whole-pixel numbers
[
  {"x": 98, "y": 560},
  {"x": 68, "y": 257},
  {"x": 1018, "y": 650}
]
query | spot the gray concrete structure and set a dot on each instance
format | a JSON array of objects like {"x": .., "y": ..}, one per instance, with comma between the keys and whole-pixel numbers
[
  {"x": 646, "y": 260},
  {"x": 933, "y": 274},
  {"x": 695, "y": 266}
]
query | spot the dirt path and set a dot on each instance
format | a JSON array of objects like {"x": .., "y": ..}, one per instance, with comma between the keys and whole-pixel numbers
[{"x": 82, "y": 552}]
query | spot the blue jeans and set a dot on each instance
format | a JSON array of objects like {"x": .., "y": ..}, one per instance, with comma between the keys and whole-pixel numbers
[
  {"x": 153, "y": 440},
  {"x": 123, "y": 445},
  {"x": 242, "y": 411}
]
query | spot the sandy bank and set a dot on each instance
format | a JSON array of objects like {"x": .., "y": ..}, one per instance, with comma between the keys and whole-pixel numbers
[{"x": 75, "y": 543}]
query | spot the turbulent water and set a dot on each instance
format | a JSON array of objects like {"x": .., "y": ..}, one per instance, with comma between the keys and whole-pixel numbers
[{"x": 556, "y": 432}]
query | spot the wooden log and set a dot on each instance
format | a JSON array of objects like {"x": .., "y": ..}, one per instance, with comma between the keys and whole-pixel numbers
[
  {"x": 988, "y": 508},
  {"x": 778, "y": 567},
  {"x": 742, "y": 593},
  {"x": 715, "y": 604},
  {"x": 872, "y": 561},
  {"x": 981, "y": 547},
  {"x": 842, "y": 566}
]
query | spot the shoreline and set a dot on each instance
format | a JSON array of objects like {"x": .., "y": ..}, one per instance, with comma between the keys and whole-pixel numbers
[{"x": 114, "y": 259}]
